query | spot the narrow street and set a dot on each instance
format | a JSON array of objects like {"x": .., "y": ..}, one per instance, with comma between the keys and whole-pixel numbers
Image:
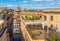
[{"x": 13, "y": 36}]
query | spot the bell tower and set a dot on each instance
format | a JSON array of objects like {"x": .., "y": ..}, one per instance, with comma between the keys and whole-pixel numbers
[{"x": 17, "y": 10}]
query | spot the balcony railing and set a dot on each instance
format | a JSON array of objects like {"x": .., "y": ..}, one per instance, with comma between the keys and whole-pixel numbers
[{"x": 31, "y": 18}]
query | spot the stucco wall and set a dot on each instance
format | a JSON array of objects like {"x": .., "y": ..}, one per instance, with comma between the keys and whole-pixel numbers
[{"x": 58, "y": 22}]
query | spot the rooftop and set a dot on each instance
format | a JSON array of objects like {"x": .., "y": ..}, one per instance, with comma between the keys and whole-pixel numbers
[
  {"x": 36, "y": 31},
  {"x": 26, "y": 12},
  {"x": 51, "y": 10},
  {"x": 31, "y": 18}
]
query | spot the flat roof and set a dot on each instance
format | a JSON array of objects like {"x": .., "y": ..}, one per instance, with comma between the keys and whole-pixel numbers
[
  {"x": 47, "y": 10},
  {"x": 51, "y": 10},
  {"x": 36, "y": 31}
]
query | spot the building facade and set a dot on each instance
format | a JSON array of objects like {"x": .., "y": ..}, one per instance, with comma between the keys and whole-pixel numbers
[
  {"x": 47, "y": 19},
  {"x": 32, "y": 28}
]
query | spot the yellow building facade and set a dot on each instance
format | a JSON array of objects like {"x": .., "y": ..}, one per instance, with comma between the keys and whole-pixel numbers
[
  {"x": 51, "y": 18},
  {"x": 46, "y": 18},
  {"x": 28, "y": 32}
]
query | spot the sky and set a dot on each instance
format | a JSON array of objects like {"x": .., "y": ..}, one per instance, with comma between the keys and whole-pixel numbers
[{"x": 30, "y": 4}]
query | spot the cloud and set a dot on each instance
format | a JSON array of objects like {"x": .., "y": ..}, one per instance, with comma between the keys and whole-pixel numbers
[
  {"x": 27, "y": 5},
  {"x": 24, "y": 4},
  {"x": 35, "y": 6},
  {"x": 38, "y": 5},
  {"x": 10, "y": 5},
  {"x": 49, "y": 0},
  {"x": 44, "y": 0},
  {"x": 52, "y": 3},
  {"x": 38, "y": 0},
  {"x": 32, "y": 6},
  {"x": 25, "y": 1},
  {"x": 58, "y": 3}
]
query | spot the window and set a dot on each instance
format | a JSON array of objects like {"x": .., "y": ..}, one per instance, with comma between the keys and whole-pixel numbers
[
  {"x": 45, "y": 28},
  {"x": 40, "y": 32},
  {"x": 51, "y": 25},
  {"x": 40, "y": 26},
  {"x": 26, "y": 16},
  {"x": 45, "y": 18},
  {"x": 40, "y": 16},
  {"x": 51, "y": 17}
]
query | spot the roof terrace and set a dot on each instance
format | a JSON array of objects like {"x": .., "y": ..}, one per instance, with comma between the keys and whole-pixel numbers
[
  {"x": 33, "y": 19},
  {"x": 36, "y": 31}
]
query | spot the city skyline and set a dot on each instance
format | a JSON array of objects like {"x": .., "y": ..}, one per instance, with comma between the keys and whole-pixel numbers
[{"x": 30, "y": 4}]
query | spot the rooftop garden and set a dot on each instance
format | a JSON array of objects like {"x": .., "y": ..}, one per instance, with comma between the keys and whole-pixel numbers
[
  {"x": 31, "y": 17},
  {"x": 36, "y": 31},
  {"x": 35, "y": 27}
]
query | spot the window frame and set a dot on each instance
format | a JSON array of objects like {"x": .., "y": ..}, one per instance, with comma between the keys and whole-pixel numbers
[{"x": 51, "y": 18}]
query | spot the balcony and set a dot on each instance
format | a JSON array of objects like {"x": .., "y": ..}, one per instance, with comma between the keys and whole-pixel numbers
[{"x": 31, "y": 18}]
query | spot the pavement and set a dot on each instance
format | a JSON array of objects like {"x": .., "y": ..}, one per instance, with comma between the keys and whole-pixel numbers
[{"x": 16, "y": 37}]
